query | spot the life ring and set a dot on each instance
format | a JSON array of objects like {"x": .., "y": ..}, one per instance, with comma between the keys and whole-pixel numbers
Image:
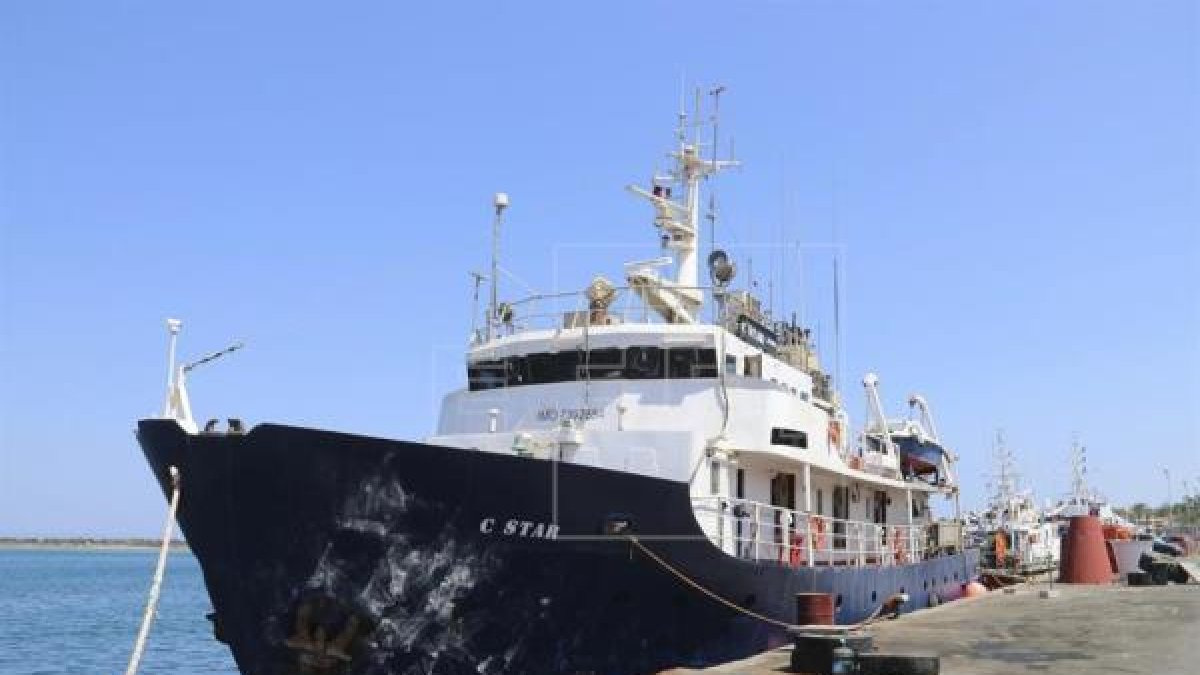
[
  {"x": 899, "y": 546},
  {"x": 796, "y": 557},
  {"x": 817, "y": 526}
]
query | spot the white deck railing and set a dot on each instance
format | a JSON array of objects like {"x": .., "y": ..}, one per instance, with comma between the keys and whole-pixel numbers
[
  {"x": 554, "y": 311},
  {"x": 756, "y": 531}
]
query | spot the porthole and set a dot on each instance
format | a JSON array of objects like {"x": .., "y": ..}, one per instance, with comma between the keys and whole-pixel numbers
[{"x": 873, "y": 596}]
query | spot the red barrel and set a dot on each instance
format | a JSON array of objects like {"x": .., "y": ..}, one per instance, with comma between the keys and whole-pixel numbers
[
  {"x": 814, "y": 609},
  {"x": 1085, "y": 553}
]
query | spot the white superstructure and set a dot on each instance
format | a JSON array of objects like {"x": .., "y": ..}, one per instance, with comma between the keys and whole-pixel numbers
[{"x": 631, "y": 378}]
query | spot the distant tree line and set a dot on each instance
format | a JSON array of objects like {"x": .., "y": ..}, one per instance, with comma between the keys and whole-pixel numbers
[
  {"x": 86, "y": 542},
  {"x": 1186, "y": 512}
]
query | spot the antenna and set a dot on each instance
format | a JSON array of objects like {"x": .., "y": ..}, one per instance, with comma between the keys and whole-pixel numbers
[
  {"x": 837, "y": 293},
  {"x": 750, "y": 257},
  {"x": 712, "y": 195},
  {"x": 213, "y": 356},
  {"x": 681, "y": 130},
  {"x": 500, "y": 202},
  {"x": 477, "y": 278},
  {"x": 783, "y": 262},
  {"x": 837, "y": 325}
]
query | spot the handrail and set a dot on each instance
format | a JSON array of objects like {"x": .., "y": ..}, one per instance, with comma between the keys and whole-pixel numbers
[
  {"x": 534, "y": 297},
  {"x": 548, "y": 310},
  {"x": 759, "y": 531}
]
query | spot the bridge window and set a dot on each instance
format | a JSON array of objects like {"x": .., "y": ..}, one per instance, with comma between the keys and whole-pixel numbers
[
  {"x": 515, "y": 371},
  {"x": 604, "y": 364},
  {"x": 792, "y": 437},
  {"x": 632, "y": 363},
  {"x": 644, "y": 363},
  {"x": 486, "y": 375},
  {"x": 555, "y": 367},
  {"x": 689, "y": 362}
]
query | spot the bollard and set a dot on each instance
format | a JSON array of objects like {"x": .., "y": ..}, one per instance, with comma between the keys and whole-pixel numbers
[
  {"x": 815, "y": 652},
  {"x": 814, "y": 609}
]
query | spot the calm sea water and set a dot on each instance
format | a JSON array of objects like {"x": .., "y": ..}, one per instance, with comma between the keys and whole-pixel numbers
[{"x": 78, "y": 612}]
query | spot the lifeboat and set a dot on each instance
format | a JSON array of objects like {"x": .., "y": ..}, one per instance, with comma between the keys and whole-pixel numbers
[{"x": 920, "y": 454}]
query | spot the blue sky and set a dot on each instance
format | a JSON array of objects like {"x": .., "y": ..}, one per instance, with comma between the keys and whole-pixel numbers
[{"x": 1014, "y": 187}]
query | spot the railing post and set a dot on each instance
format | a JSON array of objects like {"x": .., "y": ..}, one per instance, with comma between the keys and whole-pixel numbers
[
  {"x": 827, "y": 528},
  {"x": 808, "y": 539},
  {"x": 786, "y": 518},
  {"x": 757, "y": 527}
]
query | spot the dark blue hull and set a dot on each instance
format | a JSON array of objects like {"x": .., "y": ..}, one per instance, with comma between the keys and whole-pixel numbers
[{"x": 333, "y": 553}]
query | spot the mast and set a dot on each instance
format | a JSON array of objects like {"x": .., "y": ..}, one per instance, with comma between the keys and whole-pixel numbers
[
  {"x": 173, "y": 328},
  {"x": 500, "y": 202},
  {"x": 677, "y": 300},
  {"x": 1006, "y": 480},
  {"x": 712, "y": 196},
  {"x": 1079, "y": 489}
]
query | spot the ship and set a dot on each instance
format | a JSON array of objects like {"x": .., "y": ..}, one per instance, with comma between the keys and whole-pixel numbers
[
  {"x": 633, "y": 477},
  {"x": 1083, "y": 500},
  {"x": 1018, "y": 537}
]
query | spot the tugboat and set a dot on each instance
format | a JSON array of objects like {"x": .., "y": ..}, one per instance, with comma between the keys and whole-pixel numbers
[{"x": 634, "y": 477}]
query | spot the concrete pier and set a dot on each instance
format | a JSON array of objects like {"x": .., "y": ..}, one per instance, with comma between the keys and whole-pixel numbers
[{"x": 1079, "y": 629}]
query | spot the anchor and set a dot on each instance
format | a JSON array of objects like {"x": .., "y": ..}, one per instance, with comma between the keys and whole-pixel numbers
[{"x": 321, "y": 643}]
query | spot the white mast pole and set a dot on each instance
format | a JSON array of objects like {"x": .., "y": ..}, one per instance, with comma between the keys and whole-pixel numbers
[
  {"x": 173, "y": 327},
  {"x": 688, "y": 269},
  {"x": 477, "y": 278},
  {"x": 716, "y": 119},
  {"x": 500, "y": 202}
]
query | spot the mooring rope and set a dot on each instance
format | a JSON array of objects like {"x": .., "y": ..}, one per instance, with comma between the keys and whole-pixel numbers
[
  {"x": 751, "y": 613},
  {"x": 139, "y": 646}
]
